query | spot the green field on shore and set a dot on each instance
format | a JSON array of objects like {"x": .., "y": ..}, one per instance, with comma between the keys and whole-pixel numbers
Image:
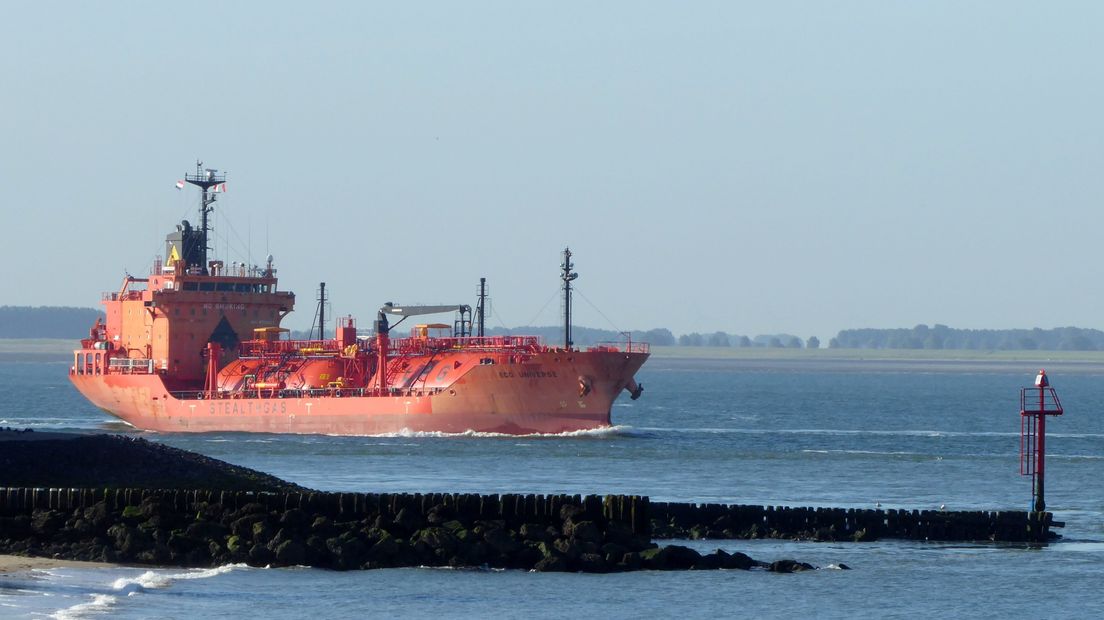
[{"x": 40, "y": 347}]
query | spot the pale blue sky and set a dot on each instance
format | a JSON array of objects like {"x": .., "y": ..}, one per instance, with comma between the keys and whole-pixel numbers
[{"x": 747, "y": 167}]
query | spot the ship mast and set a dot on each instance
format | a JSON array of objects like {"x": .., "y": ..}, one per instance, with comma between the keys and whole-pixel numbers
[
  {"x": 481, "y": 305},
  {"x": 321, "y": 311},
  {"x": 205, "y": 179},
  {"x": 567, "y": 276}
]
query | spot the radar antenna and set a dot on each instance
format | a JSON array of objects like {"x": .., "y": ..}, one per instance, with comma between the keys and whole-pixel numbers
[{"x": 211, "y": 182}]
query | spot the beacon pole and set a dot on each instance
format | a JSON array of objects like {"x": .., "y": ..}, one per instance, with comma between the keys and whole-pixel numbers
[
  {"x": 1036, "y": 403},
  {"x": 1041, "y": 382}
]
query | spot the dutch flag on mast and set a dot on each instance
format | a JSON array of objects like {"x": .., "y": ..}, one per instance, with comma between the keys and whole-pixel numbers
[{"x": 180, "y": 184}]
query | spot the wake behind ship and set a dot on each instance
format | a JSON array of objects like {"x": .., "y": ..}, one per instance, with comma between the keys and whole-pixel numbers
[{"x": 197, "y": 346}]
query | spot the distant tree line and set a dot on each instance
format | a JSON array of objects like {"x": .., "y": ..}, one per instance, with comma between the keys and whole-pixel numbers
[
  {"x": 73, "y": 323},
  {"x": 721, "y": 339},
  {"x": 588, "y": 336},
  {"x": 46, "y": 321},
  {"x": 943, "y": 337}
]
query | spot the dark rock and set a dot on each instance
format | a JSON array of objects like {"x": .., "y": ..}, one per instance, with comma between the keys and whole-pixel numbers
[
  {"x": 209, "y": 512},
  {"x": 585, "y": 531},
  {"x": 671, "y": 557},
  {"x": 15, "y": 528},
  {"x": 408, "y": 521},
  {"x": 291, "y": 553},
  {"x": 322, "y": 526},
  {"x": 206, "y": 530},
  {"x": 262, "y": 533},
  {"x": 592, "y": 563},
  {"x": 681, "y": 558},
  {"x": 154, "y": 555},
  {"x": 476, "y": 554},
  {"x": 438, "y": 539},
  {"x": 654, "y": 559},
  {"x": 711, "y": 561},
  {"x": 99, "y": 516},
  {"x": 526, "y": 557},
  {"x": 295, "y": 519},
  {"x": 153, "y": 506},
  {"x": 46, "y": 523},
  {"x": 551, "y": 563},
  {"x": 180, "y": 543},
  {"x": 613, "y": 552},
  {"x": 199, "y": 556},
  {"x": 631, "y": 561},
  {"x": 134, "y": 545},
  {"x": 789, "y": 566},
  {"x": 84, "y": 527},
  {"x": 405, "y": 554},
  {"x": 740, "y": 561},
  {"x": 243, "y": 526},
  {"x": 234, "y": 544},
  {"x": 133, "y": 514},
  {"x": 619, "y": 533},
  {"x": 453, "y": 526},
  {"x": 568, "y": 548},
  {"x": 259, "y": 555},
  {"x": 382, "y": 551},
  {"x": 534, "y": 532},
  {"x": 501, "y": 541}
]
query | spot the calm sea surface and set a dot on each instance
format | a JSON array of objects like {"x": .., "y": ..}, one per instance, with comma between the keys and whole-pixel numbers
[{"x": 823, "y": 434}]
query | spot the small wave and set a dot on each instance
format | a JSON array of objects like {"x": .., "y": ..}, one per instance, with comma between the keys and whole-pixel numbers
[
  {"x": 604, "y": 431},
  {"x": 826, "y": 431},
  {"x": 867, "y": 452},
  {"x": 99, "y": 605},
  {"x": 152, "y": 579},
  {"x": 1088, "y": 546}
]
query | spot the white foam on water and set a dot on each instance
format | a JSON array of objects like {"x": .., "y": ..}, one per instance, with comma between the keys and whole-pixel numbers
[
  {"x": 153, "y": 579},
  {"x": 867, "y": 452},
  {"x": 101, "y": 604},
  {"x": 1091, "y": 547},
  {"x": 592, "y": 432}
]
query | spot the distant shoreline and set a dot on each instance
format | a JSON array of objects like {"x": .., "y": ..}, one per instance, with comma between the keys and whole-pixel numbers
[{"x": 966, "y": 360}]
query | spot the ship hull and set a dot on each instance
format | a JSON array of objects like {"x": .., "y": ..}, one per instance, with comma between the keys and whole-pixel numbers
[{"x": 542, "y": 395}]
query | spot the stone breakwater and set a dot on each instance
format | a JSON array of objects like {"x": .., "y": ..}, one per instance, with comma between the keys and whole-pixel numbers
[
  {"x": 37, "y": 459},
  {"x": 720, "y": 521},
  {"x": 345, "y": 531}
]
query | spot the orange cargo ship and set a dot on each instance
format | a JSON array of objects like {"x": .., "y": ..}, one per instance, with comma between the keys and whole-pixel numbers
[{"x": 197, "y": 346}]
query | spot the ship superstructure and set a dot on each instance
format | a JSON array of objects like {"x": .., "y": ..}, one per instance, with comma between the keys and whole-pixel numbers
[{"x": 198, "y": 346}]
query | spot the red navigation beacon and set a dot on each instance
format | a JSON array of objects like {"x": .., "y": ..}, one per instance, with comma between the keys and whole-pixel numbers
[{"x": 1036, "y": 403}]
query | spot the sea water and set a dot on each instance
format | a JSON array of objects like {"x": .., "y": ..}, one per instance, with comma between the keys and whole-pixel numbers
[{"x": 828, "y": 433}]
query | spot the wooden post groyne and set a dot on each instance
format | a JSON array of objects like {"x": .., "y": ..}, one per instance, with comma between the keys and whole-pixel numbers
[
  {"x": 514, "y": 510},
  {"x": 719, "y": 521},
  {"x": 637, "y": 513}
]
